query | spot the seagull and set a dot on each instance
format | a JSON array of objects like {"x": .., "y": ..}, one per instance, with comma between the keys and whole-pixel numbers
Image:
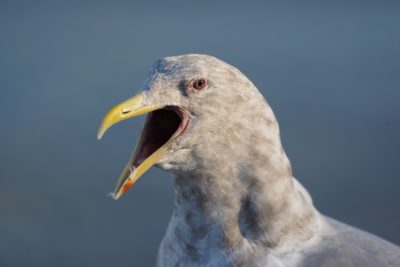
[{"x": 236, "y": 200}]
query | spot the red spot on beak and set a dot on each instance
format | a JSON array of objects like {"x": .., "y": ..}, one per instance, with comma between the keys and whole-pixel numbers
[{"x": 127, "y": 185}]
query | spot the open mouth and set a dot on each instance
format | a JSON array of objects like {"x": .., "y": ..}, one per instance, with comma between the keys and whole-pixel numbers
[{"x": 161, "y": 126}]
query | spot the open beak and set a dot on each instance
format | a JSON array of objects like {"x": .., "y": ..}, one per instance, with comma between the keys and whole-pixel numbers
[{"x": 163, "y": 125}]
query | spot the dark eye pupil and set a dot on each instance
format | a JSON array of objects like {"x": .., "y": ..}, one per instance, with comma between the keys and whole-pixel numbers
[{"x": 199, "y": 84}]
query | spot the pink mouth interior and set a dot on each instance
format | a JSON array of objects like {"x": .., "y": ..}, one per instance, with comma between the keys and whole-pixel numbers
[{"x": 159, "y": 127}]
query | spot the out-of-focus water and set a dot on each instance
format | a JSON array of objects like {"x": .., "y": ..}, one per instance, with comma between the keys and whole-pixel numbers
[{"x": 330, "y": 70}]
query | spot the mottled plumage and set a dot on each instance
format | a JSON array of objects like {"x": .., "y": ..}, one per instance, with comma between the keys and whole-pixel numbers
[{"x": 237, "y": 203}]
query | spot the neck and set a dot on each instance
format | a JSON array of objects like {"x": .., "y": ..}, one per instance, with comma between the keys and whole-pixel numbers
[
  {"x": 230, "y": 208},
  {"x": 243, "y": 199}
]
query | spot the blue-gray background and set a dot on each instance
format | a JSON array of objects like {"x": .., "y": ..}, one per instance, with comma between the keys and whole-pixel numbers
[{"x": 330, "y": 70}]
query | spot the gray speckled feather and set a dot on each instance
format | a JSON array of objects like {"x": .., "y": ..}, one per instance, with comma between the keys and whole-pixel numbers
[{"x": 237, "y": 203}]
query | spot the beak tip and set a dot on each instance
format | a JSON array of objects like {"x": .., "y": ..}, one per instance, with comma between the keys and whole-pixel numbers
[
  {"x": 113, "y": 196},
  {"x": 100, "y": 133}
]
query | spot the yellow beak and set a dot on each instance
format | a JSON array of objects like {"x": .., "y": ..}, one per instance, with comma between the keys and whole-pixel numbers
[{"x": 128, "y": 109}]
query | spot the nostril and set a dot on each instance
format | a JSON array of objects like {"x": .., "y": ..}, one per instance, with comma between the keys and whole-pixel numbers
[{"x": 125, "y": 111}]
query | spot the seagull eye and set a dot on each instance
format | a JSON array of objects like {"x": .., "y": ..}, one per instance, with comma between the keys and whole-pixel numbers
[{"x": 199, "y": 84}]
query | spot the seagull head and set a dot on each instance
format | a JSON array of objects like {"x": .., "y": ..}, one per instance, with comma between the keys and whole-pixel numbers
[{"x": 198, "y": 111}]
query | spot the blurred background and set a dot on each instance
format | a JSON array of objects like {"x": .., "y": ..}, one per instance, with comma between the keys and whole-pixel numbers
[{"x": 329, "y": 69}]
